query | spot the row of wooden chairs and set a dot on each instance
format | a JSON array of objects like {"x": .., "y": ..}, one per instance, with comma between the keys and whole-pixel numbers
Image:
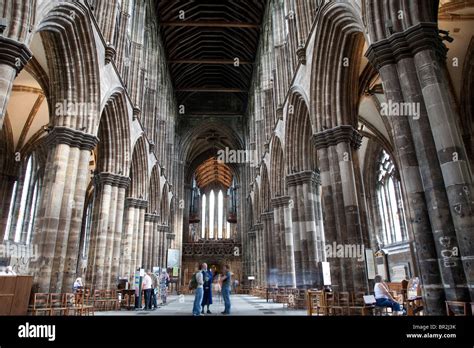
[
  {"x": 290, "y": 297},
  {"x": 59, "y": 304},
  {"x": 339, "y": 303},
  {"x": 104, "y": 300}
]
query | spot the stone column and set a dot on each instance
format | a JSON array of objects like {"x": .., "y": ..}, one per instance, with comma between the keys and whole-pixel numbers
[
  {"x": 418, "y": 51},
  {"x": 122, "y": 183},
  {"x": 109, "y": 201},
  {"x": 62, "y": 202},
  {"x": 6, "y": 191},
  {"x": 269, "y": 239},
  {"x": 455, "y": 170},
  {"x": 303, "y": 187},
  {"x": 134, "y": 229},
  {"x": 146, "y": 242},
  {"x": 279, "y": 248},
  {"x": 14, "y": 56},
  {"x": 341, "y": 205}
]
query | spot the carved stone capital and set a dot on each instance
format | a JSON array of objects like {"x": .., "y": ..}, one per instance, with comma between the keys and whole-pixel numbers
[
  {"x": 71, "y": 137},
  {"x": 136, "y": 203},
  {"x": 112, "y": 179},
  {"x": 301, "y": 53},
  {"x": 307, "y": 177},
  {"x": 280, "y": 201},
  {"x": 14, "y": 53},
  {"x": 405, "y": 44},
  {"x": 337, "y": 135},
  {"x": 152, "y": 217},
  {"x": 110, "y": 54}
]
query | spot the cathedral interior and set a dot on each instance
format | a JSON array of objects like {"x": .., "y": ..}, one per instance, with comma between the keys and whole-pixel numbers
[{"x": 307, "y": 144}]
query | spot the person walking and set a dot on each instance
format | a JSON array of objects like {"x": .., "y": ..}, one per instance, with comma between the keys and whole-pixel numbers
[
  {"x": 147, "y": 287},
  {"x": 155, "y": 283},
  {"x": 226, "y": 286},
  {"x": 207, "y": 288},
  {"x": 197, "y": 282},
  {"x": 164, "y": 282}
]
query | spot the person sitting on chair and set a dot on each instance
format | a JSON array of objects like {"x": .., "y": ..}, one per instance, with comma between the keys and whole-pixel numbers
[{"x": 383, "y": 298}]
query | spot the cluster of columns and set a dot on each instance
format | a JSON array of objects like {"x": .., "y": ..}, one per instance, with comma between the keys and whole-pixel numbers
[
  {"x": 288, "y": 244},
  {"x": 14, "y": 55},
  {"x": 307, "y": 231},
  {"x": 343, "y": 224},
  {"x": 412, "y": 64},
  {"x": 105, "y": 242},
  {"x": 58, "y": 228},
  {"x": 155, "y": 242},
  {"x": 132, "y": 242}
]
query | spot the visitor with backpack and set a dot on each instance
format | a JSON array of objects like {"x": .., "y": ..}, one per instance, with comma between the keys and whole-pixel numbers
[{"x": 196, "y": 284}]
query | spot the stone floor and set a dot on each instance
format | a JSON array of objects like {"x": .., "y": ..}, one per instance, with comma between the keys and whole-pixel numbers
[{"x": 241, "y": 305}]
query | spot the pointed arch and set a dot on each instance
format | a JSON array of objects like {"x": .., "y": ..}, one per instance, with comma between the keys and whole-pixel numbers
[
  {"x": 70, "y": 49},
  {"x": 139, "y": 171},
  {"x": 114, "y": 148},
  {"x": 334, "y": 92},
  {"x": 277, "y": 169},
  {"x": 300, "y": 152}
]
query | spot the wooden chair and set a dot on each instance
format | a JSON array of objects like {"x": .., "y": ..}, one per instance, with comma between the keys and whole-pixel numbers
[
  {"x": 342, "y": 303},
  {"x": 99, "y": 300},
  {"x": 314, "y": 298},
  {"x": 69, "y": 302},
  {"x": 300, "y": 299},
  {"x": 40, "y": 304},
  {"x": 329, "y": 303},
  {"x": 56, "y": 303},
  {"x": 456, "y": 308},
  {"x": 83, "y": 308},
  {"x": 357, "y": 306}
]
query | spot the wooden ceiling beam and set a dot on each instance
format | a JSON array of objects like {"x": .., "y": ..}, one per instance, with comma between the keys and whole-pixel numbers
[
  {"x": 210, "y": 24},
  {"x": 208, "y": 61},
  {"x": 212, "y": 90}
]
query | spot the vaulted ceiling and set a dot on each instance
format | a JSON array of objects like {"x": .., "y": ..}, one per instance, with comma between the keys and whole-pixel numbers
[
  {"x": 211, "y": 46},
  {"x": 213, "y": 171}
]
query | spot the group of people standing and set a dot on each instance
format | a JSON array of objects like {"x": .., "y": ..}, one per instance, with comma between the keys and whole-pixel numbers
[
  {"x": 204, "y": 283},
  {"x": 151, "y": 285}
]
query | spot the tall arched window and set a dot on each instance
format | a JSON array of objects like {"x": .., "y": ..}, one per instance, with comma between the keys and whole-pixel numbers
[
  {"x": 214, "y": 225},
  {"x": 390, "y": 202},
  {"x": 211, "y": 214},
  {"x": 23, "y": 204},
  {"x": 203, "y": 217},
  {"x": 220, "y": 216}
]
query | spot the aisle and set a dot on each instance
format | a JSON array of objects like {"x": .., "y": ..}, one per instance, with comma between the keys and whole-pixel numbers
[{"x": 241, "y": 305}]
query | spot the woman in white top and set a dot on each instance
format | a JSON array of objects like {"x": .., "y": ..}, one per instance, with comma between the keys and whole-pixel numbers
[{"x": 383, "y": 298}]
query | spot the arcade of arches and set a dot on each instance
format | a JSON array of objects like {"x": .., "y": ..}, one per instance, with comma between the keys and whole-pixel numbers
[{"x": 264, "y": 134}]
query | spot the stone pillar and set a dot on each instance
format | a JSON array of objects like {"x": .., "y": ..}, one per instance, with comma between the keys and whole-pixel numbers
[
  {"x": 260, "y": 264},
  {"x": 14, "y": 56},
  {"x": 6, "y": 191},
  {"x": 303, "y": 188},
  {"x": 419, "y": 50},
  {"x": 279, "y": 248},
  {"x": 269, "y": 248},
  {"x": 122, "y": 184},
  {"x": 341, "y": 205},
  {"x": 109, "y": 199},
  {"x": 285, "y": 205},
  {"x": 133, "y": 236},
  {"x": 58, "y": 226},
  {"x": 452, "y": 156}
]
